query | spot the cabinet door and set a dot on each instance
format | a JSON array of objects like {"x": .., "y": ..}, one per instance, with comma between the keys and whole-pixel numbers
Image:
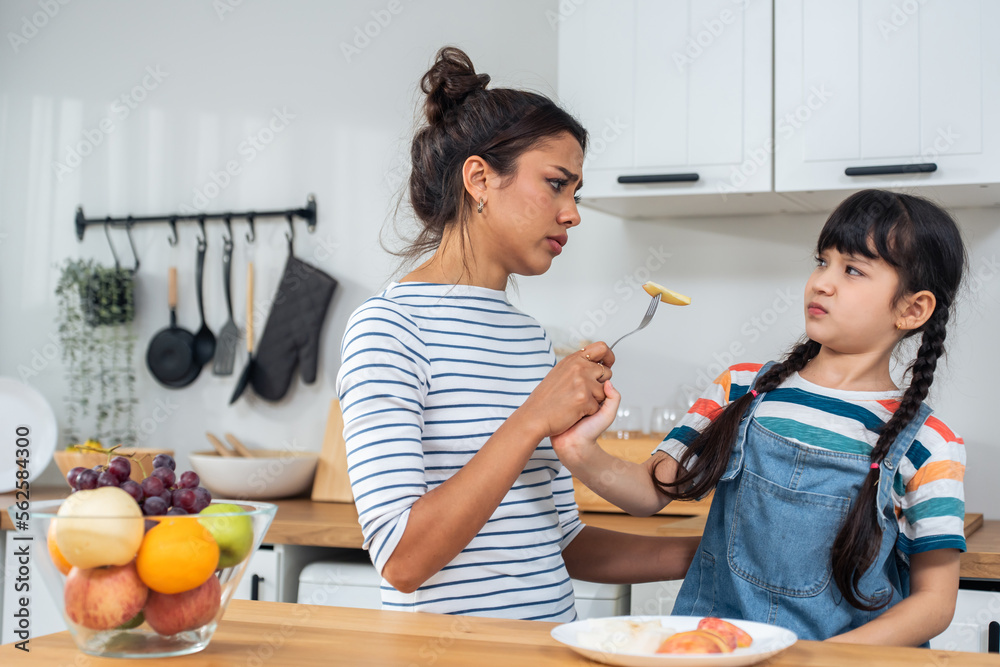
[
  {"x": 863, "y": 85},
  {"x": 671, "y": 88},
  {"x": 596, "y": 78},
  {"x": 260, "y": 581}
]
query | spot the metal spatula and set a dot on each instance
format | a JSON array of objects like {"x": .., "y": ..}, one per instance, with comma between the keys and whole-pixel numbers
[{"x": 229, "y": 336}]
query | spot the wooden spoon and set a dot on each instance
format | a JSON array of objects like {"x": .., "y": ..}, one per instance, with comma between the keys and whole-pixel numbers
[
  {"x": 238, "y": 446},
  {"x": 219, "y": 447}
]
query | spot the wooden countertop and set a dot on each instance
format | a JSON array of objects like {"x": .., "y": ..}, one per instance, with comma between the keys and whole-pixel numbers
[
  {"x": 276, "y": 633},
  {"x": 306, "y": 522}
]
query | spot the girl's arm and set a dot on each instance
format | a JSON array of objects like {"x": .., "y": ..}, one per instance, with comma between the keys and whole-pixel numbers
[
  {"x": 610, "y": 557},
  {"x": 627, "y": 485},
  {"x": 444, "y": 520},
  {"x": 925, "y": 613}
]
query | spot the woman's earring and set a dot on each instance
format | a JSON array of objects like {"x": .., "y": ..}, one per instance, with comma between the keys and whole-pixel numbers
[
  {"x": 898, "y": 326},
  {"x": 479, "y": 209}
]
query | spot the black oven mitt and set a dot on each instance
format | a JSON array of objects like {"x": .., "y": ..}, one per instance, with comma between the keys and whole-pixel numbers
[{"x": 292, "y": 333}]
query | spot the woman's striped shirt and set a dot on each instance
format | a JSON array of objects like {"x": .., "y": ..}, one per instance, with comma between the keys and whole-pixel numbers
[
  {"x": 928, "y": 490},
  {"x": 428, "y": 373}
]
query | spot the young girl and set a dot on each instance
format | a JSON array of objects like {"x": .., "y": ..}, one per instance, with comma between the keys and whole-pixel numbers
[
  {"x": 838, "y": 508},
  {"x": 450, "y": 393}
]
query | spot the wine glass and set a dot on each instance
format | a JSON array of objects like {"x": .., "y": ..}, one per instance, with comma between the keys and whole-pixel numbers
[
  {"x": 627, "y": 423},
  {"x": 664, "y": 419}
]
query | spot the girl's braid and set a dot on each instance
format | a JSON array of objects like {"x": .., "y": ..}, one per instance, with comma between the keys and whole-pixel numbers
[{"x": 922, "y": 375}]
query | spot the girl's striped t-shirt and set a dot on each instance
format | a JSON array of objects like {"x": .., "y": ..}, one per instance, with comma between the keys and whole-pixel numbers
[
  {"x": 928, "y": 491},
  {"x": 428, "y": 373}
]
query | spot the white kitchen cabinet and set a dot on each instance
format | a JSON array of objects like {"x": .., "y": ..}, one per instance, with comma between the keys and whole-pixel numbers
[
  {"x": 977, "y": 609},
  {"x": 273, "y": 572},
  {"x": 882, "y": 93},
  {"x": 676, "y": 95}
]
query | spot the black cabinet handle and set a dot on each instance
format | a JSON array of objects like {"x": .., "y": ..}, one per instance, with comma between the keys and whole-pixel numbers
[
  {"x": 993, "y": 638},
  {"x": 920, "y": 168},
  {"x": 255, "y": 586},
  {"x": 659, "y": 178}
]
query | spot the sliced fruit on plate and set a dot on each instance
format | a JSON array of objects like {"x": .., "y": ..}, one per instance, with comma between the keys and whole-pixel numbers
[
  {"x": 696, "y": 641},
  {"x": 666, "y": 295},
  {"x": 725, "y": 628}
]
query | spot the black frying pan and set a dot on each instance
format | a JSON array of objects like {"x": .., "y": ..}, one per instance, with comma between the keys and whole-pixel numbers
[{"x": 170, "y": 356}]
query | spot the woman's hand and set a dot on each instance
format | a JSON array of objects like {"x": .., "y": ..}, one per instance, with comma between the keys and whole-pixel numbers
[
  {"x": 572, "y": 390},
  {"x": 574, "y": 445}
]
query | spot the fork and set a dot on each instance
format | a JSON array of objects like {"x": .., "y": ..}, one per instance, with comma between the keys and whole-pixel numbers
[{"x": 645, "y": 320}]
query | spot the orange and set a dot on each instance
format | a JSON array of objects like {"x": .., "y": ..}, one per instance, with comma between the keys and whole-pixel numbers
[
  {"x": 58, "y": 559},
  {"x": 177, "y": 555}
]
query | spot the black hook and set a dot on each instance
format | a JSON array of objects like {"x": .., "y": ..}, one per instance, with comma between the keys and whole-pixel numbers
[
  {"x": 107, "y": 233},
  {"x": 227, "y": 238},
  {"x": 251, "y": 236},
  {"x": 172, "y": 240},
  {"x": 131, "y": 243},
  {"x": 290, "y": 234},
  {"x": 202, "y": 244}
]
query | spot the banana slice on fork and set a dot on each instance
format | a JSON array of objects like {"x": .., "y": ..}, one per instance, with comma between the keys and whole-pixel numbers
[{"x": 666, "y": 296}]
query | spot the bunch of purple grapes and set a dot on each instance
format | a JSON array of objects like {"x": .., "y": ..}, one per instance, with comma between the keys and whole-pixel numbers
[{"x": 162, "y": 492}]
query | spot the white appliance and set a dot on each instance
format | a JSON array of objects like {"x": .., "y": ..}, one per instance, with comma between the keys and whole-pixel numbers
[{"x": 350, "y": 580}]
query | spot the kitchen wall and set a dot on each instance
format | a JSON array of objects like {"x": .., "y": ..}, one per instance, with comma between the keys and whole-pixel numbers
[{"x": 340, "y": 106}]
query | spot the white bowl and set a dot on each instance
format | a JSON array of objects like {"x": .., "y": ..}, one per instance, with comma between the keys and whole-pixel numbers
[{"x": 269, "y": 474}]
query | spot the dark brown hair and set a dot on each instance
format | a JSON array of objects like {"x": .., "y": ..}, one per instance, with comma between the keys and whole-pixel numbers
[
  {"x": 923, "y": 244},
  {"x": 464, "y": 118}
]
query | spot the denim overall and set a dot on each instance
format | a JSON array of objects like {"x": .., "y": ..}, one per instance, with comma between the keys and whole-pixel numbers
[{"x": 765, "y": 553}]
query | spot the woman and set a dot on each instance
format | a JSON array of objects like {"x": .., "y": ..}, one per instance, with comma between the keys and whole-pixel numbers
[{"x": 450, "y": 394}]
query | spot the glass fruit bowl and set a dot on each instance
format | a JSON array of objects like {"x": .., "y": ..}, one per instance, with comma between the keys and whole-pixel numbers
[{"x": 135, "y": 586}]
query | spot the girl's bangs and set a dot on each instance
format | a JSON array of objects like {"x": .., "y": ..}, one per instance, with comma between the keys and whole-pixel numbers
[{"x": 866, "y": 224}]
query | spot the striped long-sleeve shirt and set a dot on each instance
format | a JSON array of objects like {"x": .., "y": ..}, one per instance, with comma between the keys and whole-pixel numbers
[
  {"x": 928, "y": 491},
  {"x": 429, "y": 372}
]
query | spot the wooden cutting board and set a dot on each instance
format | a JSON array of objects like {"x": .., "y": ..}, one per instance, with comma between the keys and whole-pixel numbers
[
  {"x": 332, "y": 483},
  {"x": 635, "y": 450}
]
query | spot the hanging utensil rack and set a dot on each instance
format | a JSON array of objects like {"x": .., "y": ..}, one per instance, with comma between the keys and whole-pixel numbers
[{"x": 308, "y": 213}]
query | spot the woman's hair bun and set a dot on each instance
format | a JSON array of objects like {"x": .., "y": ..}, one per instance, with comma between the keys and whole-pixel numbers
[{"x": 448, "y": 82}]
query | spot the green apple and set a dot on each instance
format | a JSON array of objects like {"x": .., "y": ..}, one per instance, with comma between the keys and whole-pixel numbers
[{"x": 234, "y": 534}]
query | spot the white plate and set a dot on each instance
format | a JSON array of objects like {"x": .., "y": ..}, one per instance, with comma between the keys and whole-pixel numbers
[
  {"x": 768, "y": 640},
  {"x": 23, "y": 405}
]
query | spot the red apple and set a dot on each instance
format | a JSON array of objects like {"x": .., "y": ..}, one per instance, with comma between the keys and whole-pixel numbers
[
  {"x": 726, "y": 629},
  {"x": 101, "y": 598},
  {"x": 170, "y": 613}
]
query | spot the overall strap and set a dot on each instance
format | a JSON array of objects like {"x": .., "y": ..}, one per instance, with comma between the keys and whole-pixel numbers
[
  {"x": 890, "y": 464},
  {"x": 736, "y": 459}
]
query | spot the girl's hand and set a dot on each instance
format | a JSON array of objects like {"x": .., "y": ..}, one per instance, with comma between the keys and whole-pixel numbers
[
  {"x": 573, "y": 389},
  {"x": 573, "y": 445}
]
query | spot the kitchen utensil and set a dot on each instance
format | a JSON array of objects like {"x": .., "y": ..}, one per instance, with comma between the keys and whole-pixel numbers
[
  {"x": 170, "y": 357},
  {"x": 245, "y": 376},
  {"x": 229, "y": 336},
  {"x": 238, "y": 446},
  {"x": 602, "y": 640},
  {"x": 204, "y": 340},
  {"x": 24, "y": 413},
  {"x": 645, "y": 320},
  {"x": 272, "y": 473},
  {"x": 219, "y": 447},
  {"x": 332, "y": 482}
]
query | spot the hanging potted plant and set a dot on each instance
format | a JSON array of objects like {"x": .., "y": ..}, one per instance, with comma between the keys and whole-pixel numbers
[{"x": 95, "y": 312}]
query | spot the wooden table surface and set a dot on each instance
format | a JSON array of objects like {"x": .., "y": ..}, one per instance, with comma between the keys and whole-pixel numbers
[
  {"x": 307, "y": 522},
  {"x": 276, "y": 633}
]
